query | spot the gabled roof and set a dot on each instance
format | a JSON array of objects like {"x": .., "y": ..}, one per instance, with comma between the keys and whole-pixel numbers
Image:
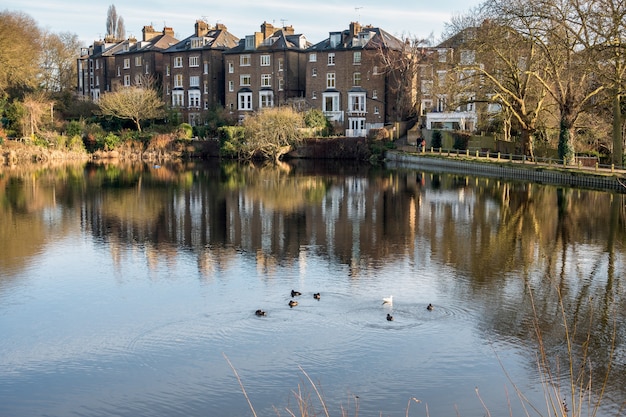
[
  {"x": 218, "y": 39},
  {"x": 278, "y": 41},
  {"x": 359, "y": 37},
  {"x": 157, "y": 43}
]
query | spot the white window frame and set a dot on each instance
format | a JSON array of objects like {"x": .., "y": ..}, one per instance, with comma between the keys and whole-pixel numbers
[
  {"x": 231, "y": 86},
  {"x": 178, "y": 81},
  {"x": 194, "y": 61},
  {"x": 357, "y": 102},
  {"x": 312, "y": 57},
  {"x": 333, "y": 100},
  {"x": 193, "y": 98},
  {"x": 356, "y": 58},
  {"x": 356, "y": 79},
  {"x": 138, "y": 61},
  {"x": 331, "y": 81},
  {"x": 244, "y": 101},
  {"x": 244, "y": 60},
  {"x": 178, "y": 62},
  {"x": 178, "y": 98},
  {"x": 266, "y": 80},
  {"x": 266, "y": 99},
  {"x": 126, "y": 63},
  {"x": 245, "y": 80},
  {"x": 265, "y": 60},
  {"x": 331, "y": 58},
  {"x": 194, "y": 81},
  {"x": 127, "y": 80}
]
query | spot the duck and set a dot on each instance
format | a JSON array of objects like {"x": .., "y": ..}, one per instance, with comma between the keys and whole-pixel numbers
[
  {"x": 388, "y": 300},
  {"x": 389, "y": 317},
  {"x": 260, "y": 313},
  {"x": 430, "y": 307},
  {"x": 293, "y": 303},
  {"x": 295, "y": 293},
  {"x": 316, "y": 296}
]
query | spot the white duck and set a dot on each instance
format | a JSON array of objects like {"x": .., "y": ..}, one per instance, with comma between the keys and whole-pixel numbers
[{"x": 388, "y": 300}]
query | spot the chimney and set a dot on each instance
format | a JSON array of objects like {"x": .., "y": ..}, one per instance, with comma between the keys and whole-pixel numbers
[
  {"x": 289, "y": 30},
  {"x": 355, "y": 28},
  {"x": 220, "y": 26},
  {"x": 168, "y": 31},
  {"x": 149, "y": 33},
  {"x": 267, "y": 29},
  {"x": 202, "y": 28}
]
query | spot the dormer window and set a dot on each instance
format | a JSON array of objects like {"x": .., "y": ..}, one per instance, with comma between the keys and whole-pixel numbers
[
  {"x": 250, "y": 42},
  {"x": 335, "y": 39}
]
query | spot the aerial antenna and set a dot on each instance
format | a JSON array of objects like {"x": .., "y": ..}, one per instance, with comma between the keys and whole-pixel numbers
[
  {"x": 358, "y": 15},
  {"x": 282, "y": 22}
]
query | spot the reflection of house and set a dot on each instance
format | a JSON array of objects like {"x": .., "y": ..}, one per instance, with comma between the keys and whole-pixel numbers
[
  {"x": 265, "y": 70},
  {"x": 193, "y": 71},
  {"x": 344, "y": 78}
]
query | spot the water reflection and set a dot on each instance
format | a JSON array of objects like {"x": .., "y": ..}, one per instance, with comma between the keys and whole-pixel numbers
[{"x": 514, "y": 248}]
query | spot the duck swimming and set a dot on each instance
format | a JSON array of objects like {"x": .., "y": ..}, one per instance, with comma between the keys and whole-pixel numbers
[
  {"x": 316, "y": 296},
  {"x": 430, "y": 307},
  {"x": 260, "y": 313},
  {"x": 388, "y": 300},
  {"x": 293, "y": 303},
  {"x": 389, "y": 317},
  {"x": 295, "y": 293}
]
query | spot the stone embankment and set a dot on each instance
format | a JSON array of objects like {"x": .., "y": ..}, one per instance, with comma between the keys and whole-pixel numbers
[{"x": 602, "y": 179}]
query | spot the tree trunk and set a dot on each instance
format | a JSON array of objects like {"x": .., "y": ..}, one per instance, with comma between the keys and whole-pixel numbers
[
  {"x": 527, "y": 144},
  {"x": 566, "y": 133},
  {"x": 618, "y": 148}
]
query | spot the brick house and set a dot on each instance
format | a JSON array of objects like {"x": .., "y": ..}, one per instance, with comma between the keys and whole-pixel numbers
[
  {"x": 345, "y": 79},
  {"x": 193, "y": 71},
  {"x": 265, "y": 69},
  {"x": 141, "y": 63},
  {"x": 96, "y": 67}
]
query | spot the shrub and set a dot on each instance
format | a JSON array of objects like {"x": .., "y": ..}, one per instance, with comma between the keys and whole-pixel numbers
[
  {"x": 185, "y": 131},
  {"x": 436, "y": 139},
  {"x": 231, "y": 140},
  {"x": 73, "y": 128},
  {"x": 111, "y": 141},
  {"x": 461, "y": 139},
  {"x": 315, "y": 119}
]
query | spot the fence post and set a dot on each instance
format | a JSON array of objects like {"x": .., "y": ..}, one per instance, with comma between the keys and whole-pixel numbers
[
  {"x": 612, "y": 167},
  {"x": 523, "y": 159},
  {"x": 596, "y": 166},
  {"x": 477, "y": 153},
  {"x": 498, "y": 156},
  {"x": 467, "y": 152}
]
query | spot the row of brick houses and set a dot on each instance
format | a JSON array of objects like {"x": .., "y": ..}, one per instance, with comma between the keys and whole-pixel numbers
[
  {"x": 344, "y": 75},
  {"x": 340, "y": 75}
]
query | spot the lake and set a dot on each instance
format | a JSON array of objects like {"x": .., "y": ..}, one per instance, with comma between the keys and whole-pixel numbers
[{"x": 131, "y": 290}]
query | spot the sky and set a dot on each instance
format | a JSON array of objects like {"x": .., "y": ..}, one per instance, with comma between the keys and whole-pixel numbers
[{"x": 314, "y": 19}]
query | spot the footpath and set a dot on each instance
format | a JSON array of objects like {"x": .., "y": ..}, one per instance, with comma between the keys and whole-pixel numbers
[{"x": 605, "y": 178}]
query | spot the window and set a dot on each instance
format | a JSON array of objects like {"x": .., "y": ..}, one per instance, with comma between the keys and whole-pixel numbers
[
  {"x": 280, "y": 64},
  {"x": 178, "y": 81},
  {"x": 231, "y": 67},
  {"x": 468, "y": 57},
  {"x": 244, "y": 60},
  {"x": 331, "y": 58},
  {"x": 178, "y": 62},
  {"x": 194, "y": 98},
  {"x": 314, "y": 95},
  {"x": 137, "y": 79},
  {"x": 194, "y": 81},
  {"x": 137, "y": 61},
  {"x": 97, "y": 64},
  {"x": 231, "y": 86},
  {"x": 206, "y": 88},
  {"x": 356, "y": 57},
  {"x": 126, "y": 63},
  {"x": 265, "y": 60},
  {"x": 194, "y": 61},
  {"x": 441, "y": 78},
  {"x": 312, "y": 57},
  {"x": 266, "y": 99},
  {"x": 356, "y": 78},
  {"x": 330, "y": 80},
  {"x": 119, "y": 73},
  {"x": 167, "y": 89},
  {"x": 356, "y": 102},
  {"x": 281, "y": 84},
  {"x": 331, "y": 102},
  {"x": 244, "y": 79},
  {"x": 167, "y": 70},
  {"x": 206, "y": 67},
  {"x": 313, "y": 72},
  {"x": 178, "y": 99},
  {"x": 442, "y": 55},
  {"x": 244, "y": 101},
  {"x": 375, "y": 70},
  {"x": 266, "y": 80},
  {"x": 97, "y": 81},
  {"x": 126, "y": 80},
  {"x": 374, "y": 94},
  {"x": 147, "y": 69},
  {"x": 376, "y": 110}
]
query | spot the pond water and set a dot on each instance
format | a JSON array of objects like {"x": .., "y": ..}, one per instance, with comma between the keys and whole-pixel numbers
[{"x": 132, "y": 290}]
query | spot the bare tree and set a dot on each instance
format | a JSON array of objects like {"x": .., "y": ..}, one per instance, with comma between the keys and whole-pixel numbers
[
  {"x": 271, "y": 132},
  {"x": 115, "y": 24},
  {"x": 132, "y": 103},
  {"x": 58, "y": 61},
  {"x": 37, "y": 108}
]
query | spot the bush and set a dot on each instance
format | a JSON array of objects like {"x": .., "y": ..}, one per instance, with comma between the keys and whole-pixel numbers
[
  {"x": 231, "y": 140},
  {"x": 111, "y": 141},
  {"x": 315, "y": 119},
  {"x": 185, "y": 130},
  {"x": 73, "y": 128},
  {"x": 461, "y": 139},
  {"x": 436, "y": 139}
]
